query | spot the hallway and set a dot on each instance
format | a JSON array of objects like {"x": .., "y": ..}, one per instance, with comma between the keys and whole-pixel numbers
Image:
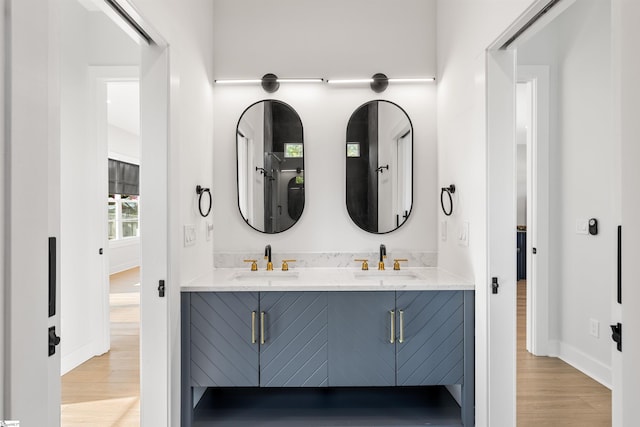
[
  {"x": 551, "y": 392},
  {"x": 105, "y": 390}
]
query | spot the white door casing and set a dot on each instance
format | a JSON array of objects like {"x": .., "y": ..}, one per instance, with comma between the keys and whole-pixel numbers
[
  {"x": 538, "y": 211},
  {"x": 501, "y": 236},
  {"x": 154, "y": 215}
]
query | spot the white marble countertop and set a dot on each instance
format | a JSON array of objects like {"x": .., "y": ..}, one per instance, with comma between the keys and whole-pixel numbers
[{"x": 327, "y": 279}]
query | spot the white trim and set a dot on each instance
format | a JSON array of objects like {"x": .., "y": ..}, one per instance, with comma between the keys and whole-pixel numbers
[
  {"x": 98, "y": 77},
  {"x": 81, "y": 355},
  {"x": 583, "y": 362},
  {"x": 538, "y": 221}
]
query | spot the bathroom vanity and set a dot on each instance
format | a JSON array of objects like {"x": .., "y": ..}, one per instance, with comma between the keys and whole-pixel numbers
[{"x": 315, "y": 340}]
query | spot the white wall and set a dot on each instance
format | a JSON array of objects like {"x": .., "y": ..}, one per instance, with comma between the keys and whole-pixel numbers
[
  {"x": 577, "y": 47},
  {"x": 465, "y": 29},
  {"x": 5, "y": 308},
  {"x": 85, "y": 36},
  {"x": 332, "y": 39}
]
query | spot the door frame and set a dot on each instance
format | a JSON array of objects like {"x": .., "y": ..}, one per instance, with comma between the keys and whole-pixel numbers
[
  {"x": 538, "y": 211},
  {"x": 99, "y": 77},
  {"x": 501, "y": 79}
]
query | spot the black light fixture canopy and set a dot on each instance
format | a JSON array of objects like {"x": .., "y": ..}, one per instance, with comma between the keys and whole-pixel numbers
[
  {"x": 379, "y": 83},
  {"x": 270, "y": 83}
]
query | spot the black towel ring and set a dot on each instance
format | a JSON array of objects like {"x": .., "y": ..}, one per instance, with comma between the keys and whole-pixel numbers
[
  {"x": 449, "y": 190},
  {"x": 200, "y": 191}
]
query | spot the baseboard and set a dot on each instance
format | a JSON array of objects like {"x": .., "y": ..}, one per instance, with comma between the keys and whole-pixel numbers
[
  {"x": 78, "y": 357},
  {"x": 582, "y": 362},
  {"x": 124, "y": 266}
]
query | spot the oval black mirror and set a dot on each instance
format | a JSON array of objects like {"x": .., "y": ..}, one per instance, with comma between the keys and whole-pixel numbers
[
  {"x": 379, "y": 162},
  {"x": 270, "y": 166}
]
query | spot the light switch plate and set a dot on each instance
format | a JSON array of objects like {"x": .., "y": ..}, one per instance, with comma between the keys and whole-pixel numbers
[{"x": 189, "y": 235}]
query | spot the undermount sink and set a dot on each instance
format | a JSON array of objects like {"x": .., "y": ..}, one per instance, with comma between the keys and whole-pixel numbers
[
  {"x": 265, "y": 275},
  {"x": 385, "y": 275}
]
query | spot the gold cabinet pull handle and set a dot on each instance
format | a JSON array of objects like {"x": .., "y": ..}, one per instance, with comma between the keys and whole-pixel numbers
[
  {"x": 401, "y": 340},
  {"x": 253, "y": 327},
  {"x": 393, "y": 327},
  {"x": 262, "y": 338}
]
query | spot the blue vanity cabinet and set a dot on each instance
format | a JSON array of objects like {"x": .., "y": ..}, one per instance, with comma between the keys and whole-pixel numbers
[
  {"x": 430, "y": 343},
  {"x": 221, "y": 350},
  {"x": 294, "y": 352},
  {"x": 361, "y": 351}
]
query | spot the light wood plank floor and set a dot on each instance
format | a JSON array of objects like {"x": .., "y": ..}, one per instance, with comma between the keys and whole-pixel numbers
[
  {"x": 105, "y": 390},
  {"x": 553, "y": 393}
]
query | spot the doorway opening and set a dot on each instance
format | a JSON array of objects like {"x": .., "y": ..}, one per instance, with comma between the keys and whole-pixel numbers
[
  {"x": 100, "y": 224},
  {"x": 574, "y": 285}
]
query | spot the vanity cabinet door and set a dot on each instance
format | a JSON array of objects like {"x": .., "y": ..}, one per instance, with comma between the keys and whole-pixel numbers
[
  {"x": 222, "y": 351},
  {"x": 361, "y": 351},
  {"x": 431, "y": 350},
  {"x": 294, "y": 352}
]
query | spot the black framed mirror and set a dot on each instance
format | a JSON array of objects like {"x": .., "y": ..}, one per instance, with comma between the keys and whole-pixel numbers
[
  {"x": 379, "y": 166},
  {"x": 270, "y": 166}
]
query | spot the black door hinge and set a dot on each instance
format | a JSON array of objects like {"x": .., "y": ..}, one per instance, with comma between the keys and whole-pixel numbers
[
  {"x": 494, "y": 285},
  {"x": 535, "y": 251},
  {"x": 161, "y": 288},
  {"x": 617, "y": 335}
]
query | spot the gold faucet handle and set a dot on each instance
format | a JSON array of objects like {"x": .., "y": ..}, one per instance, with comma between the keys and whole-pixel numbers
[
  {"x": 365, "y": 263},
  {"x": 285, "y": 264},
  {"x": 269, "y": 266},
  {"x": 254, "y": 264},
  {"x": 396, "y": 263}
]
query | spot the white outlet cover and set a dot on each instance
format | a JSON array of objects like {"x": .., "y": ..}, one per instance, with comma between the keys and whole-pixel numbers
[
  {"x": 443, "y": 231},
  {"x": 594, "y": 328},
  {"x": 463, "y": 234}
]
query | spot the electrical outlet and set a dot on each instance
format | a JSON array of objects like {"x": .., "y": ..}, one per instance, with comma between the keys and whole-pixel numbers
[
  {"x": 443, "y": 231},
  {"x": 594, "y": 328},
  {"x": 189, "y": 235},
  {"x": 209, "y": 231}
]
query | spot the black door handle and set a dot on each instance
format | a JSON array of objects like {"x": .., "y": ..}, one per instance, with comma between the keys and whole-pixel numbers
[{"x": 54, "y": 340}]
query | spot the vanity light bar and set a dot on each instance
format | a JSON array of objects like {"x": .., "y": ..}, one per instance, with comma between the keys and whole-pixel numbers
[
  {"x": 371, "y": 80},
  {"x": 237, "y": 81},
  {"x": 258, "y": 81}
]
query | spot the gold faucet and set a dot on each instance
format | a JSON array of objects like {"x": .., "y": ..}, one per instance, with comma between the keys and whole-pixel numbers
[
  {"x": 396, "y": 263},
  {"x": 267, "y": 256},
  {"x": 285, "y": 264},
  {"x": 254, "y": 264},
  {"x": 383, "y": 255},
  {"x": 365, "y": 263}
]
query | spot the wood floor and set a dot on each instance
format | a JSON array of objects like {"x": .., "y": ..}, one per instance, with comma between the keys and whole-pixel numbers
[
  {"x": 105, "y": 390},
  {"x": 551, "y": 392}
]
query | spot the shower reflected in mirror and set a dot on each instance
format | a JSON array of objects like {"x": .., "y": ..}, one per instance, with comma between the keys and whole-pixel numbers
[
  {"x": 270, "y": 166},
  {"x": 379, "y": 167}
]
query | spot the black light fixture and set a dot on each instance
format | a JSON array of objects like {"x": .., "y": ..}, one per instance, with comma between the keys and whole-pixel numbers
[
  {"x": 269, "y": 82},
  {"x": 379, "y": 81}
]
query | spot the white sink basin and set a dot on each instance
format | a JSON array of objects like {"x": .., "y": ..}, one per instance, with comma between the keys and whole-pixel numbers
[
  {"x": 385, "y": 275},
  {"x": 264, "y": 276}
]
